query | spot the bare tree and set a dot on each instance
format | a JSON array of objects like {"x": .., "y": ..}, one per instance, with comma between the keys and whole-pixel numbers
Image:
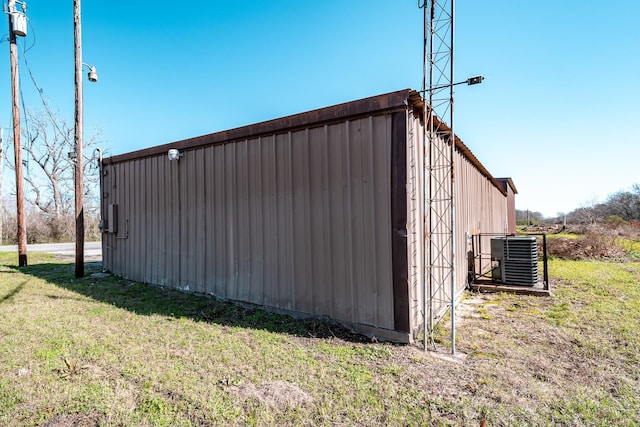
[
  {"x": 583, "y": 215},
  {"x": 50, "y": 168},
  {"x": 624, "y": 204},
  {"x": 1, "y": 199},
  {"x": 47, "y": 147},
  {"x": 527, "y": 217}
]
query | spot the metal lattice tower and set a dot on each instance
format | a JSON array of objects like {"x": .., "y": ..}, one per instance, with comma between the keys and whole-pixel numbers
[{"x": 439, "y": 149}]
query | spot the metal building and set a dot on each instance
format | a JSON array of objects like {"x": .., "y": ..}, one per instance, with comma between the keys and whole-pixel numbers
[
  {"x": 509, "y": 187},
  {"x": 317, "y": 214}
]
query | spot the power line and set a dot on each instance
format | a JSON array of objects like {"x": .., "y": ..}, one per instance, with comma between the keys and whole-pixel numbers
[{"x": 38, "y": 88}]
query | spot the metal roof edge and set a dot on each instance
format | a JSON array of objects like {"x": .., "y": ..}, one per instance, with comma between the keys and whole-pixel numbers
[
  {"x": 471, "y": 157},
  {"x": 509, "y": 181},
  {"x": 374, "y": 104},
  {"x": 404, "y": 98}
]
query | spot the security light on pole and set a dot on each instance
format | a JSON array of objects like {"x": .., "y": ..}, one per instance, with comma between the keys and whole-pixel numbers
[
  {"x": 475, "y": 80},
  {"x": 92, "y": 75},
  {"x": 469, "y": 82}
]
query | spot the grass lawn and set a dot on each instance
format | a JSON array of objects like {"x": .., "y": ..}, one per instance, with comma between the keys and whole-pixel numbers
[{"x": 107, "y": 351}]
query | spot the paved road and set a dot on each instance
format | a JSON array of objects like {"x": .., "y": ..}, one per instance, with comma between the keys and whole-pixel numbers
[{"x": 92, "y": 250}]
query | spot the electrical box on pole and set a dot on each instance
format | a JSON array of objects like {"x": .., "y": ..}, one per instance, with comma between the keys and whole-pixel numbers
[
  {"x": 19, "y": 24},
  {"x": 17, "y": 19}
]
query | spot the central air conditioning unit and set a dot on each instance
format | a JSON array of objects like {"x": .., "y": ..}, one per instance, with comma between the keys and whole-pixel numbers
[{"x": 515, "y": 260}]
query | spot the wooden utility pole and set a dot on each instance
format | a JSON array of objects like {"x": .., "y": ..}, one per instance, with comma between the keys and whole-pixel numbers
[
  {"x": 79, "y": 187},
  {"x": 17, "y": 146}
]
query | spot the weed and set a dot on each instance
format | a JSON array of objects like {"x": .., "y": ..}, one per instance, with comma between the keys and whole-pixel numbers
[
  {"x": 630, "y": 246},
  {"x": 558, "y": 312},
  {"x": 71, "y": 368},
  {"x": 393, "y": 369}
]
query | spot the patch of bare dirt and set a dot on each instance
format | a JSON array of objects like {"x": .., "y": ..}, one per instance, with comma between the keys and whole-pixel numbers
[
  {"x": 278, "y": 394},
  {"x": 73, "y": 420},
  {"x": 468, "y": 307}
]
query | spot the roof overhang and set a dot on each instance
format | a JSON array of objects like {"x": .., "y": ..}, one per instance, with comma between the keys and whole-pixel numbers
[{"x": 393, "y": 101}]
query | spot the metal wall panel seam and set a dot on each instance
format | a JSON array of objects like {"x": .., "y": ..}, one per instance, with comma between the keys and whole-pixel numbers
[
  {"x": 221, "y": 206},
  {"x": 149, "y": 229},
  {"x": 161, "y": 221},
  {"x": 184, "y": 208},
  {"x": 231, "y": 203},
  {"x": 202, "y": 223},
  {"x": 245, "y": 268},
  {"x": 315, "y": 212},
  {"x": 291, "y": 224},
  {"x": 349, "y": 223},
  {"x": 329, "y": 233},
  {"x": 265, "y": 219},
  {"x": 133, "y": 242},
  {"x": 267, "y": 234},
  {"x": 306, "y": 210},
  {"x": 374, "y": 231},
  {"x": 254, "y": 248},
  {"x": 304, "y": 272},
  {"x": 338, "y": 207},
  {"x": 152, "y": 220},
  {"x": 176, "y": 229},
  {"x": 356, "y": 220}
]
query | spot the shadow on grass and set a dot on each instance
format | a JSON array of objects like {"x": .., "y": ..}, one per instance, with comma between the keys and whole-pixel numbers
[
  {"x": 12, "y": 293},
  {"x": 147, "y": 299}
]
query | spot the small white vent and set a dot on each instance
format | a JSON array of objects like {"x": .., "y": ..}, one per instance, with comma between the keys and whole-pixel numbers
[{"x": 515, "y": 260}]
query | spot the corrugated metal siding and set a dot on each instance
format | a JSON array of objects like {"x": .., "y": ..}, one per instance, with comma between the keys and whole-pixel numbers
[
  {"x": 300, "y": 213},
  {"x": 511, "y": 210},
  {"x": 479, "y": 208},
  {"x": 415, "y": 220},
  {"x": 297, "y": 220}
]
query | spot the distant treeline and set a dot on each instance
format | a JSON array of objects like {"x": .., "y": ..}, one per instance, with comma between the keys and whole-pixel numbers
[{"x": 620, "y": 207}]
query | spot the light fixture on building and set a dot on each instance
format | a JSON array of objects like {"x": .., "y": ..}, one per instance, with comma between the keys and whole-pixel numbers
[{"x": 174, "y": 154}]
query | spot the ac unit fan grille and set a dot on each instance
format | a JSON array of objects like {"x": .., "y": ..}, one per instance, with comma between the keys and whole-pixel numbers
[{"x": 518, "y": 258}]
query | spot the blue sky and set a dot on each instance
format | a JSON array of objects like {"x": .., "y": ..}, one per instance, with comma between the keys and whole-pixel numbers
[{"x": 557, "y": 111}]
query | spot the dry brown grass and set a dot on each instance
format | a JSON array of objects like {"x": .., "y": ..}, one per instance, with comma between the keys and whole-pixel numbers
[
  {"x": 588, "y": 246},
  {"x": 594, "y": 241}
]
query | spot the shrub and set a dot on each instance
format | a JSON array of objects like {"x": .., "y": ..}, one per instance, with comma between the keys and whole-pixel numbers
[
  {"x": 588, "y": 246},
  {"x": 43, "y": 228},
  {"x": 614, "y": 221}
]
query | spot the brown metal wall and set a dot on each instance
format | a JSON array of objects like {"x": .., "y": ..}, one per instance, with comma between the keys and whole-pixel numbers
[
  {"x": 511, "y": 210},
  {"x": 415, "y": 220},
  {"x": 319, "y": 213},
  {"x": 480, "y": 207},
  {"x": 299, "y": 220}
]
